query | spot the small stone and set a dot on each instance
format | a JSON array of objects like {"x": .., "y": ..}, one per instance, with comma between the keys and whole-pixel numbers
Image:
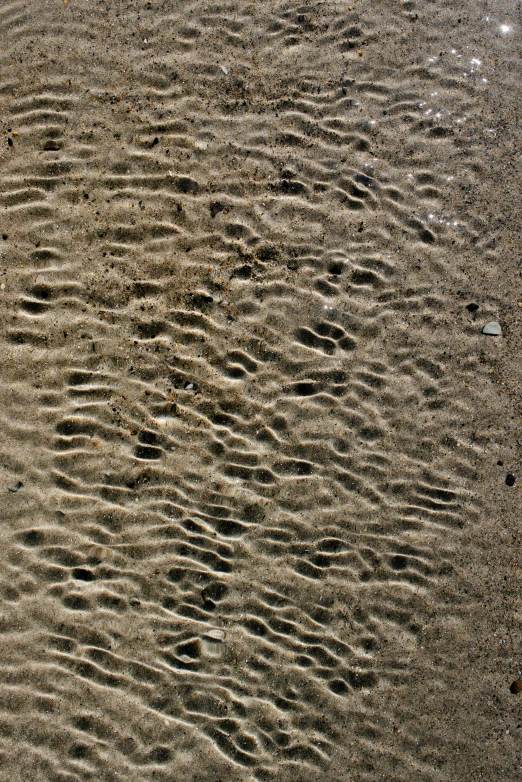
[
  {"x": 18, "y": 485},
  {"x": 510, "y": 479},
  {"x": 472, "y": 307},
  {"x": 516, "y": 687},
  {"x": 216, "y": 207},
  {"x": 500, "y": 463},
  {"x": 292, "y": 265},
  {"x": 492, "y": 328}
]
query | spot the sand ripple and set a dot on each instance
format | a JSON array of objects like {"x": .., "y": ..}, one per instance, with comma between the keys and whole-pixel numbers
[{"x": 228, "y": 237}]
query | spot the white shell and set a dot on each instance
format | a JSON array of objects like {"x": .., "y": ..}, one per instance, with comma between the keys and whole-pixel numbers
[{"x": 216, "y": 633}]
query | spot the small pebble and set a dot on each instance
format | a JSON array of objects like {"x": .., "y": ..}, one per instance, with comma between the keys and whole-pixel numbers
[
  {"x": 292, "y": 264},
  {"x": 472, "y": 307},
  {"x": 510, "y": 479},
  {"x": 500, "y": 463},
  {"x": 16, "y": 487},
  {"x": 492, "y": 328},
  {"x": 516, "y": 687},
  {"x": 224, "y": 70},
  {"x": 216, "y": 207}
]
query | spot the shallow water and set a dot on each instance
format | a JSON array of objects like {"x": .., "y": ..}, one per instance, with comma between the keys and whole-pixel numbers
[{"x": 262, "y": 532}]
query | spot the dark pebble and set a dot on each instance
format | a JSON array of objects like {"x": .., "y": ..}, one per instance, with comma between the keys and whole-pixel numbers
[
  {"x": 216, "y": 207},
  {"x": 472, "y": 307},
  {"x": 510, "y": 479},
  {"x": 293, "y": 265},
  {"x": 500, "y": 463},
  {"x": 516, "y": 687},
  {"x": 134, "y": 601},
  {"x": 16, "y": 487}
]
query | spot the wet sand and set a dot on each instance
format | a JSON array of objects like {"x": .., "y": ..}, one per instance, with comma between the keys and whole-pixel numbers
[{"x": 254, "y": 443}]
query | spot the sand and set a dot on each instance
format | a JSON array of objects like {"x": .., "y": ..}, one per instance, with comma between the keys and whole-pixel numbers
[{"x": 255, "y": 524}]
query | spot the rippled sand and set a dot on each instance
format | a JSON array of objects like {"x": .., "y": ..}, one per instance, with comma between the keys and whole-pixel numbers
[{"x": 255, "y": 524}]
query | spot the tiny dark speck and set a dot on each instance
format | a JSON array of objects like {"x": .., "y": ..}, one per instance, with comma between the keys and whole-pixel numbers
[
  {"x": 155, "y": 141},
  {"x": 472, "y": 307},
  {"x": 510, "y": 479},
  {"x": 10, "y": 141}
]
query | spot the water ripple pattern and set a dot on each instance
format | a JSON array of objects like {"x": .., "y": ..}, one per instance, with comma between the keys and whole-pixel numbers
[{"x": 222, "y": 227}]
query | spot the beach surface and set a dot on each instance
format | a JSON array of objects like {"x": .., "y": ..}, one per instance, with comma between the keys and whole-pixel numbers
[{"x": 260, "y": 465}]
